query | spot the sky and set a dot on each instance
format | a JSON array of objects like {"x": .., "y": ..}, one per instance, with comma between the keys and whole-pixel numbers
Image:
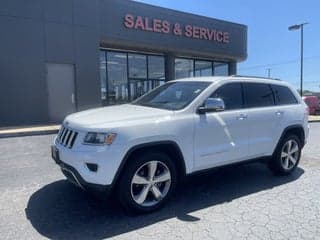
[{"x": 270, "y": 44}]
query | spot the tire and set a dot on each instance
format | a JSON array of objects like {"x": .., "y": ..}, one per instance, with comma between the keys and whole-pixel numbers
[
  {"x": 287, "y": 155},
  {"x": 140, "y": 190}
]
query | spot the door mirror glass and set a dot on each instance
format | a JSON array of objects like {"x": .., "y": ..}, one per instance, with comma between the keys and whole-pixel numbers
[{"x": 212, "y": 105}]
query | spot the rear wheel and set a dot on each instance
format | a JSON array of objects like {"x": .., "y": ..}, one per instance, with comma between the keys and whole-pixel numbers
[
  {"x": 147, "y": 182},
  {"x": 287, "y": 156}
]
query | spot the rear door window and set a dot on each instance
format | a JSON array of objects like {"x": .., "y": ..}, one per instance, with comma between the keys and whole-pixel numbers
[
  {"x": 283, "y": 95},
  {"x": 258, "y": 95}
]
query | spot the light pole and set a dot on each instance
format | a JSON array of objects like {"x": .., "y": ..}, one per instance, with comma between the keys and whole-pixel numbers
[
  {"x": 269, "y": 72},
  {"x": 293, "y": 28}
]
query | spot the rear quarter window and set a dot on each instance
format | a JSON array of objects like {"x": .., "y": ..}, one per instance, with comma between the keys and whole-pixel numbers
[{"x": 283, "y": 95}]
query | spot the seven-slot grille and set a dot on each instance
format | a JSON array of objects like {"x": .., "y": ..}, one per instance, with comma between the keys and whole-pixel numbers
[{"x": 66, "y": 137}]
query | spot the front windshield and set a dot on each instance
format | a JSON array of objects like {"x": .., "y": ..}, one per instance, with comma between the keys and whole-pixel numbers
[{"x": 172, "y": 95}]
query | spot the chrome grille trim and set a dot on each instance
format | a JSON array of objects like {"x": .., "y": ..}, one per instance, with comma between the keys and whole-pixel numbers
[
  {"x": 66, "y": 137},
  {"x": 70, "y": 138}
]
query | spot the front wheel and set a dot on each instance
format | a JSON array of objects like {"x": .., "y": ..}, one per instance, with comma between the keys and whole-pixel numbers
[
  {"x": 147, "y": 182},
  {"x": 287, "y": 156}
]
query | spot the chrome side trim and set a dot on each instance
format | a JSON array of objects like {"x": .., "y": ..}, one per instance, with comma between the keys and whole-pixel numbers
[{"x": 77, "y": 181}]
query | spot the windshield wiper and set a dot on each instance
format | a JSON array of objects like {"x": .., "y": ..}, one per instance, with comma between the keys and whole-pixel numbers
[{"x": 160, "y": 102}]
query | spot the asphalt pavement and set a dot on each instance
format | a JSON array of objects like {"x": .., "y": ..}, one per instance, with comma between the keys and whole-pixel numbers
[{"x": 243, "y": 202}]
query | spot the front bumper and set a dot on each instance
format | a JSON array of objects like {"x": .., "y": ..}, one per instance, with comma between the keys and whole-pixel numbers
[{"x": 74, "y": 177}]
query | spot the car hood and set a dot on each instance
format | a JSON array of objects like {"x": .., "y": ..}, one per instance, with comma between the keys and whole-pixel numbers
[{"x": 100, "y": 117}]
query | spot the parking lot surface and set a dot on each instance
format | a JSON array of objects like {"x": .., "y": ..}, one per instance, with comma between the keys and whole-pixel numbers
[{"x": 242, "y": 202}]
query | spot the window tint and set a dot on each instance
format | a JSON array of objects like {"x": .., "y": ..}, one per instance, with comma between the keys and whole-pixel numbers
[
  {"x": 258, "y": 95},
  {"x": 231, "y": 94},
  {"x": 283, "y": 95}
]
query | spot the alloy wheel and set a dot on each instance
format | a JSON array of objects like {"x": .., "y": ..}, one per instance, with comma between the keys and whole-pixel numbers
[
  {"x": 289, "y": 154},
  {"x": 150, "y": 183}
]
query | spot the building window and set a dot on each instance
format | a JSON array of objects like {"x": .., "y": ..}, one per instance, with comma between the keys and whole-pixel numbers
[
  {"x": 137, "y": 66},
  {"x": 202, "y": 68},
  {"x": 156, "y": 70},
  {"x": 139, "y": 83},
  {"x": 185, "y": 68},
  {"x": 117, "y": 85},
  {"x": 220, "y": 69},
  {"x": 126, "y": 76},
  {"x": 103, "y": 77}
]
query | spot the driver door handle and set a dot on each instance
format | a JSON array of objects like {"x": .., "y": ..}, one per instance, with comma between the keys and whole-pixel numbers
[
  {"x": 242, "y": 116},
  {"x": 279, "y": 113}
]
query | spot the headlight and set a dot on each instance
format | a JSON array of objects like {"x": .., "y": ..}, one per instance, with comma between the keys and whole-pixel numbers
[{"x": 99, "y": 138}]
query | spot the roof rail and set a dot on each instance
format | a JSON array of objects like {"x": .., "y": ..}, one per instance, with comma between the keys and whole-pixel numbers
[{"x": 248, "y": 76}]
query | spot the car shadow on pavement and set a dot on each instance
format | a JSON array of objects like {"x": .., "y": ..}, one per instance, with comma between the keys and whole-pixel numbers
[{"x": 59, "y": 210}]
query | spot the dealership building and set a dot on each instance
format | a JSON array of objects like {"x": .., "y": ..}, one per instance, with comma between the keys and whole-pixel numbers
[{"x": 63, "y": 56}]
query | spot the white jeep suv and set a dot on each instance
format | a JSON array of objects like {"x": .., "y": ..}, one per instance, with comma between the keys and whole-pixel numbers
[{"x": 141, "y": 150}]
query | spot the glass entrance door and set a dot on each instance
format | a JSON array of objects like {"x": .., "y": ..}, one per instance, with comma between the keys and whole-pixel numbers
[
  {"x": 138, "y": 80},
  {"x": 117, "y": 78},
  {"x": 145, "y": 73},
  {"x": 127, "y": 76}
]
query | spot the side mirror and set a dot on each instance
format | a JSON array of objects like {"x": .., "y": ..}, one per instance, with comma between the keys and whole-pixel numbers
[{"x": 212, "y": 105}]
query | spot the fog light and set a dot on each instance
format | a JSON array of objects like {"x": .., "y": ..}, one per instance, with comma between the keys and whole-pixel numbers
[{"x": 92, "y": 167}]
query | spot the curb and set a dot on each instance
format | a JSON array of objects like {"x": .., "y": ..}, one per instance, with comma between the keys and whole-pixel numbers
[
  {"x": 28, "y": 133},
  {"x": 313, "y": 121}
]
